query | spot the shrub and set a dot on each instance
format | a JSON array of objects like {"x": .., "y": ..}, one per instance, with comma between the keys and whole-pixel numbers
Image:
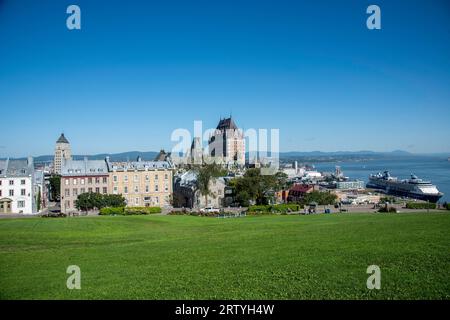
[
  {"x": 277, "y": 208},
  {"x": 420, "y": 205},
  {"x": 112, "y": 211},
  {"x": 388, "y": 209},
  {"x": 129, "y": 211},
  {"x": 142, "y": 210},
  {"x": 448, "y": 206}
]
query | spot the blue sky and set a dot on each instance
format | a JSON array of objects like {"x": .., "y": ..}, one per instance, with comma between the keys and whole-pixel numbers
[{"x": 137, "y": 70}]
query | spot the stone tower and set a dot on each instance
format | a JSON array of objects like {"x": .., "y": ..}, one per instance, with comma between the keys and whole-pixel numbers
[{"x": 62, "y": 152}]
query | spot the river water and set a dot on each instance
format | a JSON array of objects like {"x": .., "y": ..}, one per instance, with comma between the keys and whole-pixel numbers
[{"x": 436, "y": 169}]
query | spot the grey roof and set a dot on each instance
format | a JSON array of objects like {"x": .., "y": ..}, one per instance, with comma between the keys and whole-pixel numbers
[
  {"x": 140, "y": 165},
  {"x": 227, "y": 123},
  {"x": 62, "y": 139},
  {"x": 84, "y": 167},
  {"x": 162, "y": 156},
  {"x": 16, "y": 168}
]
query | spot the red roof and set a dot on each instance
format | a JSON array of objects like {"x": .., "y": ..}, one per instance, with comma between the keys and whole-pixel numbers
[{"x": 302, "y": 188}]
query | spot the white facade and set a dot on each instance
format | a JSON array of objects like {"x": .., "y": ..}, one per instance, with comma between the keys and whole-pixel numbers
[
  {"x": 17, "y": 187},
  {"x": 16, "y": 195}
]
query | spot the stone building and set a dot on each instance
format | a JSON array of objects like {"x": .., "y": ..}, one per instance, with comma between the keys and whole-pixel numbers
[
  {"x": 62, "y": 152},
  {"x": 187, "y": 195},
  {"x": 227, "y": 143},
  {"x": 143, "y": 183},
  {"x": 81, "y": 176}
]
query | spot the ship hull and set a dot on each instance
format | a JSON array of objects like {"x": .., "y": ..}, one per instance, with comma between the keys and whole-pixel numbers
[{"x": 396, "y": 192}]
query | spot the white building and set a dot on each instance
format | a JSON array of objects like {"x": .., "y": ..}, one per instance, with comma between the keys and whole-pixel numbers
[{"x": 18, "y": 187}]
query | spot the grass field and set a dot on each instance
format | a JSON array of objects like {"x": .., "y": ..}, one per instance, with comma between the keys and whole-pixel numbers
[{"x": 266, "y": 257}]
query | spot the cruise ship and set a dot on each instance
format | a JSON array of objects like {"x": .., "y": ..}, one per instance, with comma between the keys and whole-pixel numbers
[{"x": 413, "y": 188}]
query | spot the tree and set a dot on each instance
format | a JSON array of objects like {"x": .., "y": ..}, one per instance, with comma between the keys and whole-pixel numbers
[
  {"x": 205, "y": 174},
  {"x": 321, "y": 198},
  {"x": 55, "y": 187},
  {"x": 92, "y": 200},
  {"x": 257, "y": 187}
]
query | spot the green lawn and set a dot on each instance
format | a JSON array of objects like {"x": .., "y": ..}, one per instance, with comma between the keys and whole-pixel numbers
[{"x": 265, "y": 257}]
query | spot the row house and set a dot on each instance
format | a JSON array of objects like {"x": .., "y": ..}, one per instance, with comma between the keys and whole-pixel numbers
[
  {"x": 81, "y": 176},
  {"x": 142, "y": 183}
]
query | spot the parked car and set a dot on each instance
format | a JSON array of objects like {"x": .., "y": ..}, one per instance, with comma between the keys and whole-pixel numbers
[{"x": 210, "y": 210}]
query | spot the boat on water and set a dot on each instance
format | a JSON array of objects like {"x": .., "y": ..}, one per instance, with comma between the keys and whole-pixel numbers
[{"x": 413, "y": 187}]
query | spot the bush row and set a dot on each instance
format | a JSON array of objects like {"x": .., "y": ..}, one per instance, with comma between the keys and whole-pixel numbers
[
  {"x": 420, "y": 205},
  {"x": 277, "y": 208},
  {"x": 124, "y": 211}
]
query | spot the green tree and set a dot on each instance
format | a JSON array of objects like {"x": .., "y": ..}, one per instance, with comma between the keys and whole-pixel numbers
[
  {"x": 205, "y": 174},
  {"x": 55, "y": 187},
  {"x": 257, "y": 187},
  {"x": 321, "y": 198}
]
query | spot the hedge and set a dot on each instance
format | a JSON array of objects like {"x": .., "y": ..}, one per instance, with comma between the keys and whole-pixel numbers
[
  {"x": 130, "y": 211},
  {"x": 111, "y": 211},
  {"x": 277, "y": 208},
  {"x": 420, "y": 205},
  {"x": 448, "y": 206}
]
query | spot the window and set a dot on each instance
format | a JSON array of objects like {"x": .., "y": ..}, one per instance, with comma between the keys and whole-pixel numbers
[
  {"x": 89, "y": 190},
  {"x": 166, "y": 188},
  {"x": 11, "y": 193},
  {"x": 0, "y": 180},
  {"x": 125, "y": 178},
  {"x": 22, "y": 182},
  {"x": 67, "y": 192},
  {"x": 23, "y": 192},
  {"x": 136, "y": 178},
  {"x": 21, "y": 204},
  {"x": 156, "y": 177},
  {"x": 90, "y": 180},
  {"x": 125, "y": 189},
  {"x": 105, "y": 180},
  {"x": 115, "y": 190},
  {"x": 136, "y": 189},
  {"x": 97, "y": 190},
  {"x": 66, "y": 182},
  {"x": 0, "y": 193},
  {"x": 82, "y": 181},
  {"x": 147, "y": 178},
  {"x": 83, "y": 190},
  {"x": 115, "y": 178},
  {"x": 75, "y": 192},
  {"x": 75, "y": 181},
  {"x": 97, "y": 180},
  {"x": 136, "y": 201},
  {"x": 11, "y": 182},
  {"x": 105, "y": 190},
  {"x": 156, "y": 188},
  {"x": 147, "y": 189},
  {"x": 166, "y": 176}
]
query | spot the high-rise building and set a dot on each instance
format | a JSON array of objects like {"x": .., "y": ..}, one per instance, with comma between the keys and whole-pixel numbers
[
  {"x": 227, "y": 143},
  {"x": 62, "y": 152}
]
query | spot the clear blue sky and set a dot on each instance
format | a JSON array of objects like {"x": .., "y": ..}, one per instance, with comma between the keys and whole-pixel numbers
[{"x": 139, "y": 69}]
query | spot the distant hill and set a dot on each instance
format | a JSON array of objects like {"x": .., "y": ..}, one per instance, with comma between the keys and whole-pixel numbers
[
  {"x": 150, "y": 155},
  {"x": 124, "y": 156}
]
